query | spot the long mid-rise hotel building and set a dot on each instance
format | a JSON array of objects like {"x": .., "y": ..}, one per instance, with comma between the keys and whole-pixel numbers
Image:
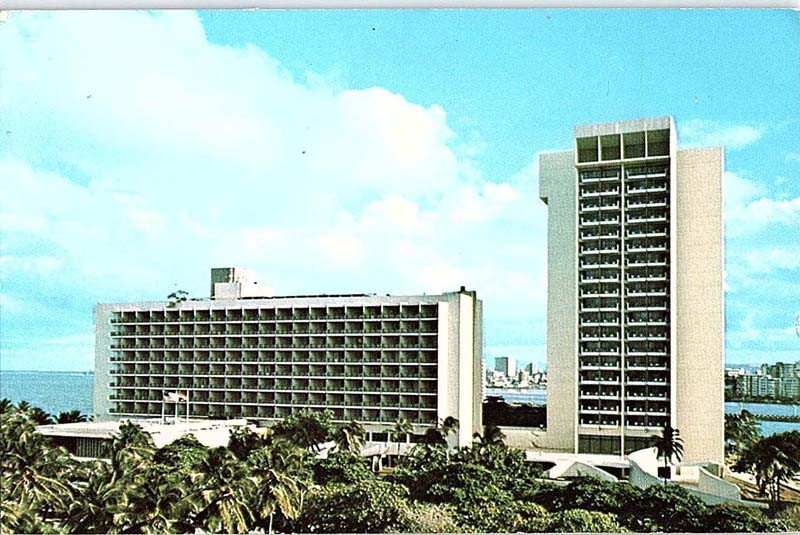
[
  {"x": 635, "y": 295},
  {"x": 374, "y": 359}
]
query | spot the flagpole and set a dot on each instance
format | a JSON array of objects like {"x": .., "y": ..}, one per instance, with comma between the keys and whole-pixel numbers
[{"x": 187, "y": 404}]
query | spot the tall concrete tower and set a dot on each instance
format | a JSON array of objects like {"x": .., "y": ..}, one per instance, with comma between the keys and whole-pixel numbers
[{"x": 635, "y": 328}]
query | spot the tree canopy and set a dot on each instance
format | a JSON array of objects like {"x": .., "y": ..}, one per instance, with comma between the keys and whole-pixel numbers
[{"x": 276, "y": 481}]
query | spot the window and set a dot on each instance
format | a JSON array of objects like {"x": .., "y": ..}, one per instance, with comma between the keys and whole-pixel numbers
[{"x": 599, "y": 444}]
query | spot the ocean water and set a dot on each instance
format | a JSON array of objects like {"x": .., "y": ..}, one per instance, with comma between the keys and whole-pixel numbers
[
  {"x": 54, "y": 392},
  {"x": 539, "y": 397}
]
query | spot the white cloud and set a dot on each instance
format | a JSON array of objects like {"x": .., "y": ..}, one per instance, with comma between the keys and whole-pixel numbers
[
  {"x": 141, "y": 155},
  {"x": 764, "y": 211},
  {"x": 760, "y": 261},
  {"x": 748, "y": 211},
  {"x": 501, "y": 193},
  {"x": 394, "y": 212},
  {"x": 342, "y": 249},
  {"x": 702, "y": 133}
]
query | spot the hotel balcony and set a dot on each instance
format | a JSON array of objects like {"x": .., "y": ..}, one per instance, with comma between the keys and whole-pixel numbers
[
  {"x": 585, "y": 321},
  {"x": 659, "y": 409},
  {"x": 598, "y": 304},
  {"x": 592, "y": 221},
  {"x": 588, "y": 365},
  {"x": 595, "y": 191},
  {"x": 645, "y": 246},
  {"x": 636, "y": 307},
  {"x": 656, "y": 201},
  {"x": 609, "y": 290},
  {"x": 592, "y": 263},
  {"x": 646, "y": 172},
  {"x": 604, "y": 249},
  {"x": 644, "y": 219},
  {"x": 587, "y": 409},
  {"x": 597, "y": 206},
  {"x": 591, "y": 277},
  {"x": 599, "y": 421},
  {"x": 647, "y": 293},
  {"x": 658, "y": 390},
  {"x": 645, "y": 365},
  {"x": 599, "y": 175},
  {"x": 599, "y": 378},
  {"x": 638, "y": 333},
  {"x": 599, "y": 233},
  {"x": 638, "y": 232},
  {"x": 646, "y": 382},
  {"x": 643, "y": 188},
  {"x": 647, "y": 259},
  {"x": 598, "y": 337}
]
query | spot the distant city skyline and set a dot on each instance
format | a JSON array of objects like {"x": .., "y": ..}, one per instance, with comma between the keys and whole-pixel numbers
[{"x": 387, "y": 151}]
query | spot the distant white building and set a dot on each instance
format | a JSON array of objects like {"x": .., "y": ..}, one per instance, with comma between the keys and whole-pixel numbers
[{"x": 506, "y": 365}]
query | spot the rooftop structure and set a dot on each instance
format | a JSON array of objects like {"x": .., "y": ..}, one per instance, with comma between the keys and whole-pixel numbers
[
  {"x": 374, "y": 359},
  {"x": 635, "y": 298}
]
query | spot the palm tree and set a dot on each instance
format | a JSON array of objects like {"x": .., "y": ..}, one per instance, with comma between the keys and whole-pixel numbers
[
  {"x": 94, "y": 506},
  {"x": 668, "y": 445},
  {"x": 306, "y": 428},
  {"x": 131, "y": 447},
  {"x": 223, "y": 494},
  {"x": 439, "y": 434},
  {"x": 23, "y": 406},
  {"x": 449, "y": 426},
  {"x": 177, "y": 297},
  {"x": 399, "y": 432},
  {"x": 350, "y": 437},
  {"x": 279, "y": 472},
  {"x": 492, "y": 436},
  {"x": 40, "y": 417},
  {"x": 6, "y": 405},
  {"x": 71, "y": 417},
  {"x": 772, "y": 460},
  {"x": 433, "y": 437},
  {"x": 741, "y": 431},
  {"x": 34, "y": 473}
]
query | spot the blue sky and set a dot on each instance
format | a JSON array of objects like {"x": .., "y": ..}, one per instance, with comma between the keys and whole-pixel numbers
[{"x": 375, "y": 151}]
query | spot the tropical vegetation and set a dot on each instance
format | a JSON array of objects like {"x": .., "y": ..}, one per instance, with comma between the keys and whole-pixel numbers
[
  {"x": 284, "y": 480},
  {"x": 669, "y": 445},
  {"x": 773, "y": 460},
  {"x": 741, "y": 431}
]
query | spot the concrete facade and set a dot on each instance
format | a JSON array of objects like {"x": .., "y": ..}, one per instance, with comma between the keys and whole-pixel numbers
[
  {"x": 374, "y": 359},
  {"x": 700, "y": 305},
  {"x": 557, "y": 188},
  {"x": 635, "y": 298}
]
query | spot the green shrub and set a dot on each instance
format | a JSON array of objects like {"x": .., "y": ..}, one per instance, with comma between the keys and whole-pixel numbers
[
  {"x": 531, "y": 517},
  {"x": 582, "y": 521},
  {"x": 421, "y": 517},
  {"x": 729, "y": 518},
  {"x": 664, "y": 508},
  {"x": 341, "y": 467},
  {"x": 790, "y": 518},
  {"x": 369, "y": 506}
]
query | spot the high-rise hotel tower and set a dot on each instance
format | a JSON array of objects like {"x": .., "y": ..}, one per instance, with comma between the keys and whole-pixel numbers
[{"x": 635, "y": 297}]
